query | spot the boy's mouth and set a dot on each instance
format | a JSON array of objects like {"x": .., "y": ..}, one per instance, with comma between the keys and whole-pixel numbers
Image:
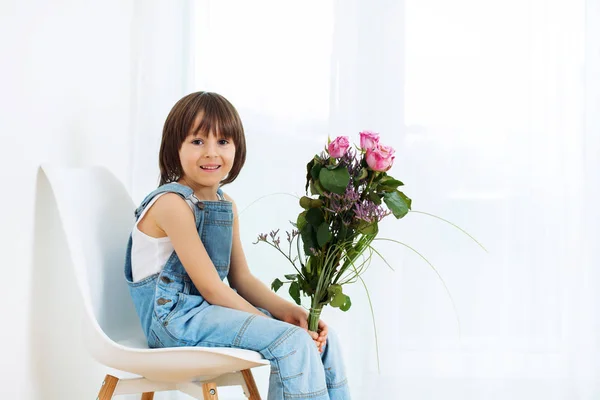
[{"x": 210, "y": 167}]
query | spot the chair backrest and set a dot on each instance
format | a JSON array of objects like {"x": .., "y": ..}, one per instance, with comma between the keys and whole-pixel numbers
[{"x": 96, "y": 213}]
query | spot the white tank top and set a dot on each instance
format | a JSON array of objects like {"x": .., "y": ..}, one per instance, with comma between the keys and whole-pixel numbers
[{"x": 148, "y": 254}]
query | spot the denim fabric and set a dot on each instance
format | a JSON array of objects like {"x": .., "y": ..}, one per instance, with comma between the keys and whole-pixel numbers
[{"x": 174, "y": 313}]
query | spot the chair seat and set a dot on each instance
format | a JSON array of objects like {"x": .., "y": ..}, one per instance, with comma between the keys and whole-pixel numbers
[
  {"x": 137, "y": 343},
  {"x": 178, "y": 364}
]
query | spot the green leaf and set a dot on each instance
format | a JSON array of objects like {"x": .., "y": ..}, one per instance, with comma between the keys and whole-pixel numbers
[
  {"x": 295, "y": 292},
  {"x": 338, "y": 300},
  {"x": 315, "y": 217},
  {"x": 301, "y": 221},
  {"x": 306, "y": 288},
  {"x": 308, "y": 266},
  {"x": 407, "y": 200},
  {"x": 316, "y": 188},
  {"x": 374, "y": 197},
  {"x": 342, "y": 233},
  {"x": 335, "y": 180},
  {"x": 291, "y": 276},
  {"x": 347, "y": 304},
  {"x": 398, "y": 203},
  {"x": 334, "y": 289},
  {"x": 305, "y": 202},
  {"x": 390, "y": 182},
  {"x": 308, "y": 239},
  {"x": 323, "y": 234},
  {"x": 316, "y": 203},
  {"x": 314, "y": 171},
  {"x": 308, "y": 175},
  {"x": 276, "y": 285},
  {"x": 363, "y": 174},
  {"x": 368, "y": 228}
]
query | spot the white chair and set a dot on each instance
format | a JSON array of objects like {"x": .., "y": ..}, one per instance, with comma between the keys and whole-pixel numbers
[{"x": 96, "y": 213}]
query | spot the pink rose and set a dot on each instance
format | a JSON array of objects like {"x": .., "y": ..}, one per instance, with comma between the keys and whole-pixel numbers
[
  {"x": 380, "y": 158},
  {"x": 368, "y": 140},
  {"x": 338, "y": 147}
]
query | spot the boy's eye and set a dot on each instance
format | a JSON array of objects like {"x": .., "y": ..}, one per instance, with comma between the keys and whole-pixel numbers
[
  {"x": 197, "y": 141},
  {"x": 223, "y": 141}
]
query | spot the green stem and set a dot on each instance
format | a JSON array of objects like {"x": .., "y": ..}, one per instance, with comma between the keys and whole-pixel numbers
[
  {"x": 365, "y": 191},
  {"x": 314, "y": 315},
  {"x": 361, "y": 245},
  {"x": 374, "y": 325},
  {"x": 382, "y": 258},
  {"x": 453, "y": 224},
  {"x": 438, "y": 275},
  {"x": 286, "y": 256},
  {"x": 262, "y": 197}
]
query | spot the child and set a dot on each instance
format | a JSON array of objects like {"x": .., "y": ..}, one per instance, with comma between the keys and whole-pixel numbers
[{"x": 186, "y": 241}]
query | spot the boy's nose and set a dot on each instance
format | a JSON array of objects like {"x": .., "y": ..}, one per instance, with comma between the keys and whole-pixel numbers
[{"x": 210, "y": 150}]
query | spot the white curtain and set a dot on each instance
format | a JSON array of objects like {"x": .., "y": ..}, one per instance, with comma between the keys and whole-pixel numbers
[
  {"x": 493, "y": 110},
  {"x": 162, "y": 73}
]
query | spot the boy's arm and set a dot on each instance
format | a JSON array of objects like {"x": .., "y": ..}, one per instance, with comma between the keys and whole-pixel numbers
[
  {"x": 246, "y": 284},
  {"x": 172, "y": 215},
  {"x": 257, "y": 293}
]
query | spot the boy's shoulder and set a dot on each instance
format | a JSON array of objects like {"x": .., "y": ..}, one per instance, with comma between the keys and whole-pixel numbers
[
  {"x": 226, "y": 196},
  {"x": 173, "y": 188},
  {"x": 170, "y": 194},
  {"x": 230, "y": 199}
]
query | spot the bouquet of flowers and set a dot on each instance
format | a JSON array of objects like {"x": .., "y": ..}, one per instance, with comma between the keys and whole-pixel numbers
[{"x": 350, "y": 193}]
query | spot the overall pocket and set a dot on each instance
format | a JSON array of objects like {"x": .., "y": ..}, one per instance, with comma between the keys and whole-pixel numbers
[{"x": 166, "y": 303}]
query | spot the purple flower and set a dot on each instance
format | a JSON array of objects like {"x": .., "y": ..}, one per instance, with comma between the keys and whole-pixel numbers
[
  {"x": 339, "y": 203},
  {"x": 351, "y": 162},
  {"x": 292, "y": 235},
  {"x": 261, "y": 238},
  {"x": 369, "y": 211}
]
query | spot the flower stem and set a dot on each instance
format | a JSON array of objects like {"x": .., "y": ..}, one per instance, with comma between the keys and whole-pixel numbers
[
  {"x": 366, "y": 189},
  {"x": 313, "y": 319}
]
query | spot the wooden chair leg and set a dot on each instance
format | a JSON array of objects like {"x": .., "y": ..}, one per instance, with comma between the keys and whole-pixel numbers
[
  {"x": 108, "y": 387},
  {"x": 252, "y": 389},
  {"x": 148, "y": 396},
  {"x": 209, "y": 390}
]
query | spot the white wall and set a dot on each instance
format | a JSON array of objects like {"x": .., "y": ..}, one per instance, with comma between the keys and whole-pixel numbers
[{"x": 65, "y": 77}]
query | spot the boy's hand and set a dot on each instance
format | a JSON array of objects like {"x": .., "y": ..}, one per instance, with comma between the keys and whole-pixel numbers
[
  {"x": 322, "y": 334},
  {"x": 298, "y": 316}
]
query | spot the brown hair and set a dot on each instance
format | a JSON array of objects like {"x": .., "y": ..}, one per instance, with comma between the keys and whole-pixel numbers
[{"x": 218, "y": 116}]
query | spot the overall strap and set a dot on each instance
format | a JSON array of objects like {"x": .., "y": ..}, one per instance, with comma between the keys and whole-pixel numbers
[{"x": 173, "y": 187}]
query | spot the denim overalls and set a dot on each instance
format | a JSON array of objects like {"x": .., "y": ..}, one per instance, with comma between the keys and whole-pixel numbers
[{"x": 173, "y": 313}]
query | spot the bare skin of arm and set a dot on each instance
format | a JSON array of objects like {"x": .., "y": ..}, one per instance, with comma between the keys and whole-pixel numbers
[
  {"x": 258, "y": 294},
  {"x": 247, "y": 285},
  {"x": 171, "y": 216}
]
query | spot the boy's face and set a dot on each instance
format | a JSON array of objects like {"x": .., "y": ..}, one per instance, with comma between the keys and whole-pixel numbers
[{"x": 206, "y": 159}]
